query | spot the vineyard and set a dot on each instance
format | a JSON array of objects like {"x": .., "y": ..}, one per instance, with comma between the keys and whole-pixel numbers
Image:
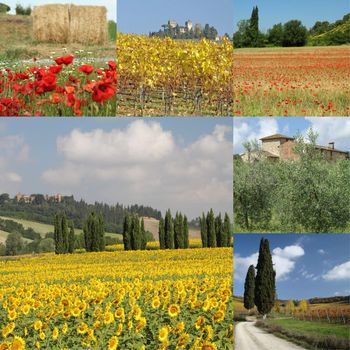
[
  {"x": 292, "y": 82},
  {"x": 62, "y": 87},
  {"x": 168, "y": 77},
  {"x": 119, "y": 300}
]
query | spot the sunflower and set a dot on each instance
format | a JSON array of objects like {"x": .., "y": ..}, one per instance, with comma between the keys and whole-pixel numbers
[
  {"x": 108, "y": 318},
  {"x": 163, "y": 334},
  {"x": 199, "y": 322},
  {"x": 208, "y": 346},
  {"x": 183, "y": 340},
  {"x": 218, "y": 316},
  {"x": 65, "y": 328},
  {"x": 12, "y": 314},
  {"x": 83, "y": 328},
  {"x": 55, "y": 333},
  {"x": 75, "y": 312},
  {"x": 155, "y": 303},
  {"x": 113, "y": 343},
  {"x": 179, "y": 327},
  {"x": 4, "y": 346},
  {"x": 18, "y": 344},
  {"x": 38, "y": 325},
  {"x": 173, "y": 310},
  {"x": 42, "y": 335},
  {"x": 119, "y": 313}
]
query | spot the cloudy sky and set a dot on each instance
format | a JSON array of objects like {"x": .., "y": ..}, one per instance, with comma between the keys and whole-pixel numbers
[
  {"x": 307, "y": 266},
  {"x": 330, "y": 129},
  {"x": 182, "y": 163},
  {"x": 111, "y": 5}
]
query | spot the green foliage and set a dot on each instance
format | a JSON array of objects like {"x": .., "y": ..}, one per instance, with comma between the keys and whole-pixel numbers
[
  {"x": 46, "y": 245},
  {"x": 294, "y": 34},
  {"x": 227, "y": 231},
  {"x": 178, "y": 231},
  {"x": 2, "y": 249},
  {"x": 161, "y": 233},
  {"x": 211, "y": 229},
  {"x": 186, "y": 243},
  {"x": 135, "y": 236},
  {"x": 204, "y": 233},
  {"x": 76, "y": 211},
  {"x": 249, "y": 288},
  {"x": 169, "y": 230},
  {"x": 63, "y": 236},
  {"x": 4, "y": 8},
  {"x": 127, "y": 232},
  {"x": 265, "y": 281},
  {"x": 307, "y": 195},
  {"x": 275, "y": 35},
  {"x": 14, "y": 244},
  {"x": 219, "y": 232},
  {"x": 71, "y": 238},
  {"x": 112, "y": 30},
  {"x": 24, "y": 11},
  {"x": 12, "y": 226},
  {"x": 94, "y": 233}
]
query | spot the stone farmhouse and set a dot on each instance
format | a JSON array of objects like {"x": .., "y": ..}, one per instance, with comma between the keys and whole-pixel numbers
[
  {"x": 20, "y": 197},
  {"x": 277, "y": 146}
]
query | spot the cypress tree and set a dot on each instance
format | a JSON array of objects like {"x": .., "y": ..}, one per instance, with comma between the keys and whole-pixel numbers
[
  {"x": 249, "y": 288},
  {"x": 265, "y": 285},
  {"x": 93, "y": 233},
  {"x": 71, "y": 238},
  {"x": 136, "y": 233},
  {"x": 126, "y": 232},
  {"x": 254, "y": 28},
  {"x": 211, "y": 229},
  {"x": 143, "y": 235},
  {"x": 178, "y": 231},
  {"x": 169, "y": 230},
  {"x": 58, "y": 234},
  {"x": 186, "y": 243},
  {"x": 219, "y": 231},
  {"x": 204, "y": 232},
  {"x": 65, "y": 234},
  {"x": 101, "y": 233},
  {"x": 161, "y": 233},
  {"x": 227, "y": 231}
]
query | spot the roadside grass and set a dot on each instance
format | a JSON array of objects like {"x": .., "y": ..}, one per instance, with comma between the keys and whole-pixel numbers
[{"x": 313, "y": 335}]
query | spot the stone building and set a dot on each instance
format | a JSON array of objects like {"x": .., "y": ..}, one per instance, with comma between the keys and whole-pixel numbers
[{"x": 278, "y": 146}]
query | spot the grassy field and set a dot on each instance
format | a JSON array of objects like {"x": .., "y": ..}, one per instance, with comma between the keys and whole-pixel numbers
[
  {"x": 307, "y": 81},
  {"x": 45, "y": 228}
]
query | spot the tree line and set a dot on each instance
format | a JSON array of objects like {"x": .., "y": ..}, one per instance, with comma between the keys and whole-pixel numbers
[
  {"x": 134, "y": 233},
  {"x": 307, "y": 195},
  {"x": 291, "y": 33},
  {"x": 42, "y": 210},
  {"x": 214, "y": 231}
]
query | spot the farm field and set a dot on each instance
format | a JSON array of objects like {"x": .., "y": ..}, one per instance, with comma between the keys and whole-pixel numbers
[
  {"x": 125, "y": 300},
  {"x": 45, "y": 228},
  {"x": 308, "y": 81},
  {"x": 45, "y": 79},
  {"x": 171, "y": 77}
]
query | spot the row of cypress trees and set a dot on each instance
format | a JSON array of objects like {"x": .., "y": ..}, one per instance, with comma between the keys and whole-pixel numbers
[
  {"x": 173, "y": 232},
  {"x": 94, "y": 233},
  {"x": 134, "y": 233},
  {"x": 64, "y": 237},
  {"x": 260, "y": 289},
  {"x": 214, "y": 231}
]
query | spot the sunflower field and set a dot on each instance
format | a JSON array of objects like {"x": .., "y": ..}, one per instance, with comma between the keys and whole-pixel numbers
[{"x": 118, "y": 300}]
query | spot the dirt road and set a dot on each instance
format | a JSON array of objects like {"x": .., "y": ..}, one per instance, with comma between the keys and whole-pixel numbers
[{"x": 249, "y": 337}]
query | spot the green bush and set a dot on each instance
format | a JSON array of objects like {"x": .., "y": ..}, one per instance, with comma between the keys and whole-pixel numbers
[
  {"x": 24, "y": 11},
  {"x": 4, "y": 8}
]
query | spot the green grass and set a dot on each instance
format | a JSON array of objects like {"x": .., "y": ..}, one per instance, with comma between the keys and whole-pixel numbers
[
  {"x": 313, "y": 328},
  {"x": 4, "y": 234},
  {"x": 42, "y": 229}
]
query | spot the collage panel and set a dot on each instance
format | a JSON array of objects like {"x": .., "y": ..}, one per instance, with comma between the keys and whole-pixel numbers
[
  {"x": 291, "y": 291},
  {"x": 291, "y": 175},
  {"x": 291, "y": 58},
  {"x": 175, "y": 60},
  {"x": 57, "y": 58},
  {"x": 116, "y": 233}
]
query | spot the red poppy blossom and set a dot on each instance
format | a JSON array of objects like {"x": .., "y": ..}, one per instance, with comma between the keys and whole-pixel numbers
[
  {"x": 86, "y": 68},
  {"x": 64, "y": 60},
  {"x": 102, "y": 92}
]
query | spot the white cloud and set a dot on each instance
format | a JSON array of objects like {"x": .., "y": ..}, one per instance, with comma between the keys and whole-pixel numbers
[
  {"x": 338, "y": 272},
  {"x": 244, "y": 131},
  {"x": 321, "y": 251},
  {"x": 13, "y": 152},
  {"x": 284, "y": 260},
  {"x": 143, "y": 163},
  {"x": 335, "y": 129}
]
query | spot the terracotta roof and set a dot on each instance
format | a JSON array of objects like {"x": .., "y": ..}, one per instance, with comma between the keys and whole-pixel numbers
[
  {"x": 277, "y": 137},
  {"x": 330, "y": 149}
]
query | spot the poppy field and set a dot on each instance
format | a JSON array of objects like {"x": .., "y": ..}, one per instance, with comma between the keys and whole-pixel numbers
[
  {"x": 118, "y": 300},
  {"x": 310, "y": 81},
  {"x": 174, "y": 77},
  {"x": 63, "y": 86}
]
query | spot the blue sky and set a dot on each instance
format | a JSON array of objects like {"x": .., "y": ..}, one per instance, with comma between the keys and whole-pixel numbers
[
  {"x": 141, "y": 17},
  {"x": 313, "y": 265},
  {"x": 329, "y": 129},
  {"x": 111, "y": 5},
  {"x": 276, "y": 11},
  {"x": 183, "y": 164}
]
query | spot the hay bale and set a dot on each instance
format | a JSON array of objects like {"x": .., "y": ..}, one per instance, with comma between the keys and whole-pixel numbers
[
  {"x": 51, "y": 23},
  {"x": 88, "y": 24}
]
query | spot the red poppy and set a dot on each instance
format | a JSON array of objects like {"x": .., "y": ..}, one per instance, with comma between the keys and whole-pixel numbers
[
  {"x": 102, "y": 92},
  {"x": 86, "y": 68},
  {"x": 64, "y": 60},
  {"x": 55, "y": 69}
]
